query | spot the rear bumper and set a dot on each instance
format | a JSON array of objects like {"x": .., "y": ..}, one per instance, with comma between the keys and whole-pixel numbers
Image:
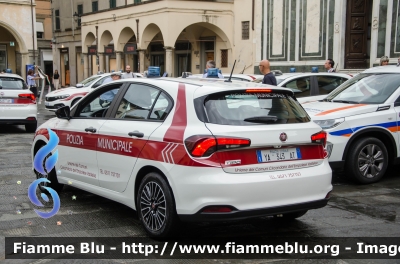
[
  {"x": 17, "y": 121},
  {"x": 245, "y": 214},
  {"x": 337, "y": 165}
]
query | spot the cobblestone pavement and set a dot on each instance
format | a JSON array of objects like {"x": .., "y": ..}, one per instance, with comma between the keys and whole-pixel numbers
[{"x": 354, "y": 210}]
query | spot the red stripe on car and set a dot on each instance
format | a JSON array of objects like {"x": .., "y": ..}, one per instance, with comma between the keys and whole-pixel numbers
[
  {"x": 176, "y": 131},
  {"x": 74, "y": 95}
]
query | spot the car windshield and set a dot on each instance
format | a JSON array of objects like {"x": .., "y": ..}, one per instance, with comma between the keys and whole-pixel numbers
[
  {"x": 89, "y": 80},
  {"x": 8, "y": 83},
  {"x": 366, "y": 89},
  {"x": 246, "y": 109}
]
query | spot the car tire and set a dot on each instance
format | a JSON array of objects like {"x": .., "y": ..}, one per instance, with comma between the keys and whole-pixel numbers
[
  {"x": 31, "y": 128},
  {"x": 367, "y": 160},
  {"x": 156, "y": 206},
  {"x": 291, "y": 216},
  {"x": 52, "y": 177}
]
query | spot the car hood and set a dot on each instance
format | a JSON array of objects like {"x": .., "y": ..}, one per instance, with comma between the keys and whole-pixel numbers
[
  {"x": 328, "y": 110},
  {"x": 69, "y": 90}
]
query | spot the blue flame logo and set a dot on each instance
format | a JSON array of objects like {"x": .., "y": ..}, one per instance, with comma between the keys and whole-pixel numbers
[{"x": 49, "y": 162}]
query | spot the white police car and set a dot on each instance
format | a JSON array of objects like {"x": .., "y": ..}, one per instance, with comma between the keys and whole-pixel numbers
[
  {"x": 17, "y": 104},
  {"x": 69, "y": 96},
  {"x": 362, "y": 119},
  {"x": 192, "y": 150}
]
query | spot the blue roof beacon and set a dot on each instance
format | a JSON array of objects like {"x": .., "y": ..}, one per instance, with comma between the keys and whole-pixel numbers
[
  {"x": 153, "y": 72},
  {"x": 212, "y": 73}
]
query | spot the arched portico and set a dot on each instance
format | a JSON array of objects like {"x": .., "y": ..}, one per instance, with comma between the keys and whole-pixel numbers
[{"x": 14, "y": 50}]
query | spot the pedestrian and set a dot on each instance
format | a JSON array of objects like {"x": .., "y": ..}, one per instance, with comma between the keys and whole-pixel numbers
[
  {"x": 32, "y": 77},
  {"x": 329, "y": 63},
  {"x": 56, "y": 79},
  {"x": 128, "y": 74},
  {"x": 211, "y": 65},
  {"x": 265, "y": 69},
  {"x": 384, "y": 61},
  {"x": 107, "y": 97}
]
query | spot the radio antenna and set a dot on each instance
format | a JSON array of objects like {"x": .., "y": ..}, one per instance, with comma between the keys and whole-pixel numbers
[{"x": 230, "y": 77}]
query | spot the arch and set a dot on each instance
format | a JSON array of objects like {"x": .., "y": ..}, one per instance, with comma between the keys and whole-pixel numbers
[
  {"x": 105, "y": 39},
  {"x": 150, "y": 31},
  {"x": 21, "y": 44},
  {"x": 89, "y": 39},
  {"x": 218, "y": 31},
  {"x": 126, "y": 34}
]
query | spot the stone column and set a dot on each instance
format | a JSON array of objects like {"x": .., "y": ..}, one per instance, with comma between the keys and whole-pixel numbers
[
  {"x": 101, "y": 62},
  {"x": 126, "y": 62},
  {"x": 141, "y": 61},
  {"x": 107, "y": 63},
  {"x": 119, "y": 56},
  {"x": 168, "y": 61},
  {"x": 85, "y": 65}
]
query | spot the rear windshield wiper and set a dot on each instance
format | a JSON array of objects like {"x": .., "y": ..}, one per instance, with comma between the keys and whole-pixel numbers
[
  {"x": 262, "y": 119},
  {"x": 345, "y": 102}
]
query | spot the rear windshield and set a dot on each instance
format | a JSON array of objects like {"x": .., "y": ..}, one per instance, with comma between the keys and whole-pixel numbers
[
  {"x": 248, "y": 109},
  {"x": 9, "y": 83}
]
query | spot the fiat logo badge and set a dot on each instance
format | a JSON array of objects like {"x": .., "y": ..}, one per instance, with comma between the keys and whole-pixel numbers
[{"x": 283, "y": 137}]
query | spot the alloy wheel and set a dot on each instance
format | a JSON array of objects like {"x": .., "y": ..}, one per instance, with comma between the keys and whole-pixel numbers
[
  {"x": 370, "y": 161},
  {"x": 153, "y": 206}
]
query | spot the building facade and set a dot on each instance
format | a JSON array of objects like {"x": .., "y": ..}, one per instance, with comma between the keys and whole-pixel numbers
[
  {"x": 304, "y": 33},
  {"x": 44, "y": 35},
  {"x": 17, "y": 35},
  {"x": 176, "y": 35}
]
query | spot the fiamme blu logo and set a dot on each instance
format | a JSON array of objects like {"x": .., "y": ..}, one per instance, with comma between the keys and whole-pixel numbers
[{"x": 44, "y": 163}]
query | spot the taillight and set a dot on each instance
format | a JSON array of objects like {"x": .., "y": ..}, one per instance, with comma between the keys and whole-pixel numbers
[
  {"x": 252, "y": 77},
  {"x": 217, "y": 209},
  {"x": 203, "y": 146},
  {"x": 320, "y": 137},
  {"x": 29, "y": 96},
  {"x": 258, "y": 90}
]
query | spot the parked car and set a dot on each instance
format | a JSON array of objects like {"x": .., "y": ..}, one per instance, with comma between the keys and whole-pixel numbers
[
  {"x": 192, "y": 150},
  {"x": 361, "y": 118},
  {"x": 309, "y": 84},
  {"x": 69, "y": 96},
  {"x": 17, "y": 104}
]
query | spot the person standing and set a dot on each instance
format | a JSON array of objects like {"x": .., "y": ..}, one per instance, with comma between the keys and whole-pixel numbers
[
  {"x": 265, "y": 69},
  {"x": 329, "y": 63},
  {"x": 56, "y": 79},
  {"x": 107, "y": 97},
  {"x": 32, "y": 77},
  {"x": 384, "y": 61},
  {"x": 128, "y": 74}
]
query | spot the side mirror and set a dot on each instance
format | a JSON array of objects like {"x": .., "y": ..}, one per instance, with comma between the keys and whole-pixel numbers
[
  {"x": 64, "y": 113},
  {"x": 79, "y": 85}
]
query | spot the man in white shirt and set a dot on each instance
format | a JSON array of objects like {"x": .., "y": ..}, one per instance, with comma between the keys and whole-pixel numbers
[{"x": 128, "y": 74}]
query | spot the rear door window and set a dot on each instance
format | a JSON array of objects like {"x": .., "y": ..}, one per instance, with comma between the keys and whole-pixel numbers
[
  {"x": 7, "y": 83},
  {"x": 248, "y": 108},
  {"x": 300, "y": 86},
  {"x": 327, "y": 84}
]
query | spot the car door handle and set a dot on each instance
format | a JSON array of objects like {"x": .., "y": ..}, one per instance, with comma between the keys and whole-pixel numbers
[
  {"x": 136, "y": 134},
  {"x": 91, "y": 129}
]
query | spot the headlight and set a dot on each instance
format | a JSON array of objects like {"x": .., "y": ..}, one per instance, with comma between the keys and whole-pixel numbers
[
  {"x": 62, "y": 96},
  {"x": 330, "y": 123}
]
